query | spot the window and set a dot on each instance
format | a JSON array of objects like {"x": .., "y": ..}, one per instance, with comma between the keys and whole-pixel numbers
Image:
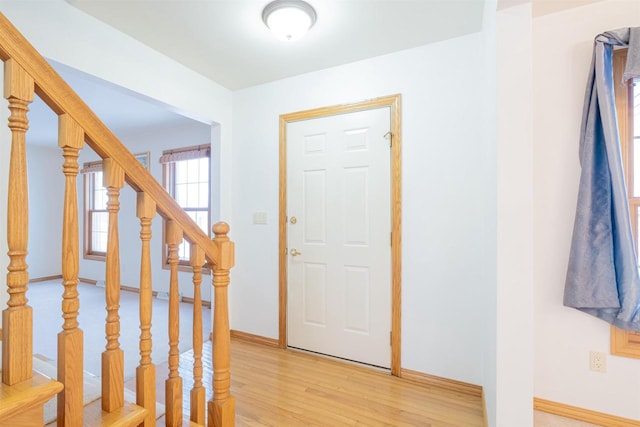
[
  {"x": 627, "y": 343},
  {"x": 186, "y": 177},
  {"x": 96, "y": 217}
]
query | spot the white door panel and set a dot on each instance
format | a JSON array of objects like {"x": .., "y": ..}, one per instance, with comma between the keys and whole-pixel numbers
[{"x": 339, "y": 270}]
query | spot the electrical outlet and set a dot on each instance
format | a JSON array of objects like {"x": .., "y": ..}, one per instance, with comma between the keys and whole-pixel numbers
[
  {"x": 597, "y": 361},
  {"x": 260, "y": 218}
]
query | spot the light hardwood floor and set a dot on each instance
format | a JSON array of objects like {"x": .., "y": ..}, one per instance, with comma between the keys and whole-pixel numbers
[{"x": 275, "y": 387}]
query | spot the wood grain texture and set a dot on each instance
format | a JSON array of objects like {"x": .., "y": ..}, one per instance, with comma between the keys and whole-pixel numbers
[
  {"x": 112, "y": 380},
  {"x": 197, "y": 395},
  {"x": 282, "y": 235},
  {"x": 70, "y": 374},
  {"x": 581, "y": 414},
  {"x": 444, "y": 383},
  {"x": 625, "y": 343},
  {"x": 256, "y": 339},
  {"x": 29, "y": 418},
  {"x": 173, "y": 384},
  {"x": 394, "y": 103},
  {"x": 70, "y": 339},
  {"x": 57, "y": 94},
  {"x": 27, "y": 72},
  {"x": 18, "y": 83},
  {"x": 26, "y": 395},
  {"x": 112, "y": 357},
  {"x": 17, "y": 343},
  {"x": 146, "y": 392},
  {"x": 222, "y": 405},
  {"x": 276, "y": 387},
  {"x": 146, "y": 371},
  {"x": 126, "y": 416},
  {"x": 17, "y": 349}
]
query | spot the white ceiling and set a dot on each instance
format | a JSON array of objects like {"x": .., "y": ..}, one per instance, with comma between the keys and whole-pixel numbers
[{"x": 226, "y": 40}]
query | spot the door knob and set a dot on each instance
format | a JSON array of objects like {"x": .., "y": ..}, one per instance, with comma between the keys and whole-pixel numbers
[{"x": 295, "y": 252}]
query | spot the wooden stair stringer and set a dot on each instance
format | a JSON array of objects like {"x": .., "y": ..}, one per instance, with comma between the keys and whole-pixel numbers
[{"x": 26, "y": 397}]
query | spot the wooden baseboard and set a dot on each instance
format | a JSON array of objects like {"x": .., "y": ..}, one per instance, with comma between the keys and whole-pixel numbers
[
  {"x": 191, "y": 301},
  {"x": 137, "y": 290},
  {"x": 581, "y": 414},
  {"x": 45, "y": 279},
  {"x": 432, "y": 380},
  {"x": 255, "y": 339}
]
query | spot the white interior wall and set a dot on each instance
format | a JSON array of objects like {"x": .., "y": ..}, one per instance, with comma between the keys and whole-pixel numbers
[
  {"x": 46, "y": 197},
  {"x": 66, "y": 35},
  {"x": 447, "y": 200},
  {"x": 514, "y": 308},
  {"x": 563, "y": 336},
  {"x": 489, "y": 300},
  {"x": 429, "y": 79},
  {"x": 155, "y": 141},
  {"x": 69, "y": 36}
]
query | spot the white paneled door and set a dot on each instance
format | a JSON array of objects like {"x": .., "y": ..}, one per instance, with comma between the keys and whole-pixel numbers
[{"x": 339, "y": 236}]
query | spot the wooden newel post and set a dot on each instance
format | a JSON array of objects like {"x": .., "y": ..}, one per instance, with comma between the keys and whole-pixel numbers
[
  {"x": 17, "y": 319},
  {"x": 70, "y": 340},
  {"x": 222, "y": 408}
]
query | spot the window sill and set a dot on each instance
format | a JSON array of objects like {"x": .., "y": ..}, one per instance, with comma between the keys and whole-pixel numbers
[
  {"x": 95, "y": 257},
  {"x": 625, "y": 343}
]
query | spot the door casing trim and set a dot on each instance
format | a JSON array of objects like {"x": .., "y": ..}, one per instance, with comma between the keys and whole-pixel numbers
[{"x": 394, "y": 103}]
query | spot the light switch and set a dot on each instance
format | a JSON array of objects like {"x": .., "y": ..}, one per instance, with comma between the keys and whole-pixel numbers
[{"x": 259, "y": 217}]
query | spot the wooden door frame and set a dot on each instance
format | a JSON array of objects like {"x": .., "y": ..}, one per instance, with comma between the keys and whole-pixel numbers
[{"x": 394, "y": 103}]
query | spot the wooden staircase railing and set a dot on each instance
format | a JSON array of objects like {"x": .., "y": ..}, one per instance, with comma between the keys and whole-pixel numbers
[{"x": 27, "y": 73}]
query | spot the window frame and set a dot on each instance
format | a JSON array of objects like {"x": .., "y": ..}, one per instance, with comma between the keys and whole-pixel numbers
[
  {"x": 626, "y": 343},
  {"x": 168, "y": 182},
  {"x": 89, "y": 171}
]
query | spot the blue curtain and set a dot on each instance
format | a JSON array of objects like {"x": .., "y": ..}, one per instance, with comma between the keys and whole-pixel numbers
[{"x": 602, "y": 277}]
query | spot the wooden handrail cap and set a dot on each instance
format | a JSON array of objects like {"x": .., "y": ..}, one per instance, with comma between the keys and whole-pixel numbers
[{"x": 221, "y": 229}]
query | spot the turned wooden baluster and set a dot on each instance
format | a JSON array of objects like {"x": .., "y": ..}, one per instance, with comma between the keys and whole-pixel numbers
[
  {"x": 173, "y": 384},
  {"x": 146, "y": 371},
  {"x": 70, "y": 340},
  {"x": 17, "y": 319},
  {"x": 113, "y": 356},
  {"x": 198, "y": 396},
  {"x": 222, "y": 408}
]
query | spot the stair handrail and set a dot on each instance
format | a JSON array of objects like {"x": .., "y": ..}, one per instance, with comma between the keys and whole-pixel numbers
[{"x": 61, "y": 98}]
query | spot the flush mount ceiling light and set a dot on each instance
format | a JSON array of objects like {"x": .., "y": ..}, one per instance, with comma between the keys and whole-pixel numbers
[{"x": 289, "y": 20}]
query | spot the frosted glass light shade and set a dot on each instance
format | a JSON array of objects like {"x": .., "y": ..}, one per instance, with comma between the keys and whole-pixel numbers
[{"x": 289, "y": 20}]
